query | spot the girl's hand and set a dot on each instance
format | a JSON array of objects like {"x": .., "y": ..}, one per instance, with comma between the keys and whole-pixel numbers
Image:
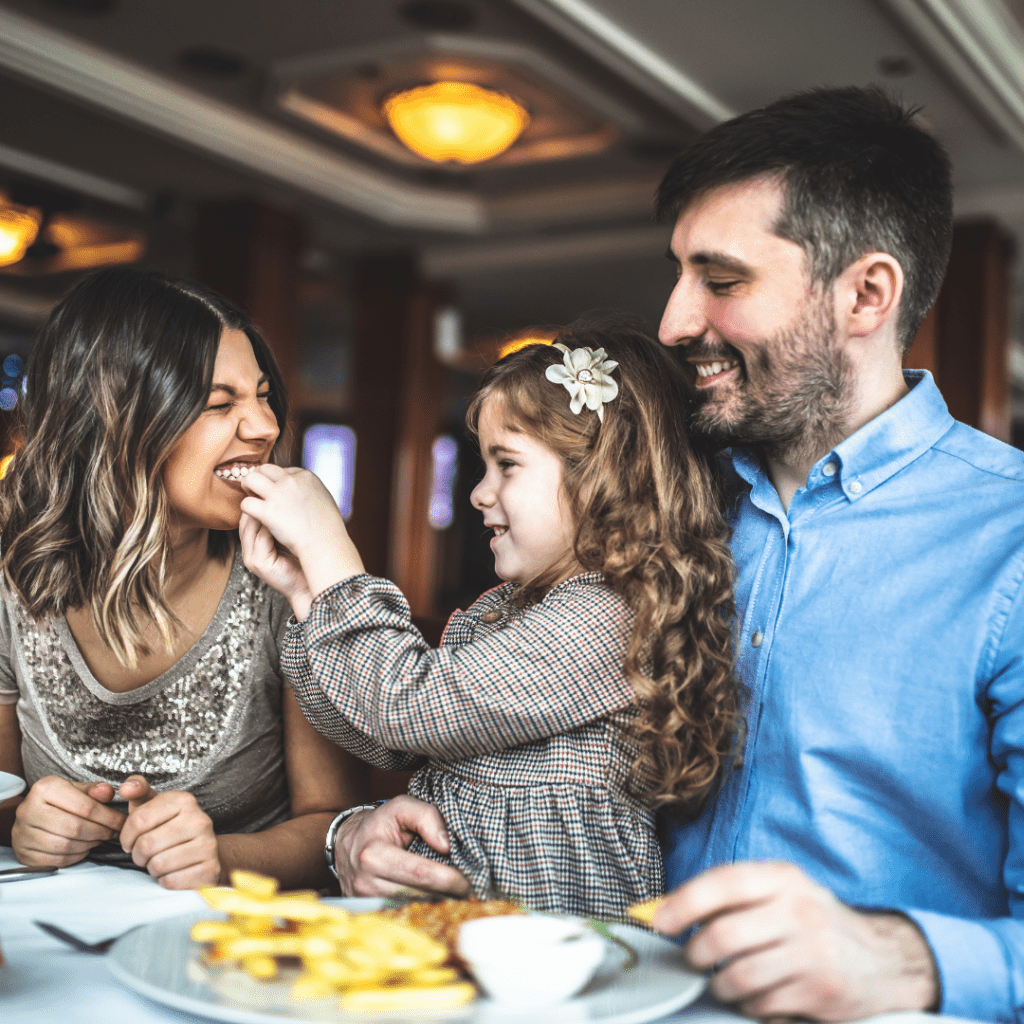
[
  {"x": 274, "y": 565},
  {"x": 169, "y": 835},
  {"x": 301, "y": 514},
  {"x": 60, "y": 821}
]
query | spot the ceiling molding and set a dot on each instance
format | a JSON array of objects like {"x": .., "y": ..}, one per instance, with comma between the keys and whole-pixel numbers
[
  {"x": 87, "y": 73},
  {"x": 981, "y": 46},
  {"x": 611, "y": 44},
  {"x": 81, "y": 182},
  {"x": 518, "y": 254}
]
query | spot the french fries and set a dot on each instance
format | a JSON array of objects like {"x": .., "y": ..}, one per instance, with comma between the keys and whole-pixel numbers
[
  {"x": 366, "y": 960},
  {"x": 645, "y": 911}
]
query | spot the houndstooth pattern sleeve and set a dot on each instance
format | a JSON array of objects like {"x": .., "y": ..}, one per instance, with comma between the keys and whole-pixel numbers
[
  {"x": 326, "y": 718},
  {"x": 536, "y": 674}
]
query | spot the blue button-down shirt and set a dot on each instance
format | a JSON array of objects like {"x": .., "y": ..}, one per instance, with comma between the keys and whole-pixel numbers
[{"x": 880, "y": 631}]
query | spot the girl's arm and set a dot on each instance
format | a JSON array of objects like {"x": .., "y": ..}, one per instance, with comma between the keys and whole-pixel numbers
[{"x": 369, "y": 669}]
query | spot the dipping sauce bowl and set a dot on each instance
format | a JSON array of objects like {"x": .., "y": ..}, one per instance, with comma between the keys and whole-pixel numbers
[{"x": 529, "y": 960}]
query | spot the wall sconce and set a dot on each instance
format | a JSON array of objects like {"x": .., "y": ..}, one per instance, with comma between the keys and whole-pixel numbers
[{"x": 19, "y": 226}]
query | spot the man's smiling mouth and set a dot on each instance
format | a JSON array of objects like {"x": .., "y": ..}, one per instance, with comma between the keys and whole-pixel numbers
[{"x": 713, "y": 368}]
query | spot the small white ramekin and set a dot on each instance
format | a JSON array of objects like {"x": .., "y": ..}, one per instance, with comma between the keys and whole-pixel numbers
[{"x": 527, "y": 960}]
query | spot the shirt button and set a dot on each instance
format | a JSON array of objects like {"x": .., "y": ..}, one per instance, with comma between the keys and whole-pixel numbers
[
  {"x": 491, "y": 616},
  {"x": 757, "y": 639},
  {"x": 829, "y": 469},
  {"x": 856, "y": 487}
]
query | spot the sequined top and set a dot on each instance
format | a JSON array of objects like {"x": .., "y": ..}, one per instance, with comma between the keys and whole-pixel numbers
[{"x": 210, "y": 724}]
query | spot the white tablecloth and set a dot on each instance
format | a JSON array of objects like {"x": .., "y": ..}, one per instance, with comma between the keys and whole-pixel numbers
[{"x": 43, "y": 981}]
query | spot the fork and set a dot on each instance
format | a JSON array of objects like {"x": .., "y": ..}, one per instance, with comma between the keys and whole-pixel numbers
[{"x": 80, "y": 945}]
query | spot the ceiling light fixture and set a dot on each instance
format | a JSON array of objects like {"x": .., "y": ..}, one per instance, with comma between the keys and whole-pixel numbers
[
  {"x": 19, "y": 226},
  {"x": 455, "y": 121}
]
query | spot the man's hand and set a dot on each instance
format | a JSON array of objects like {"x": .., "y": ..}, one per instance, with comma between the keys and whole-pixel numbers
[
  {"x": 372, "y": 857},
  {"x": 60, "y": 821},
  {"x": 169, "y": 835},
  {"x": 784, "y": 946}
]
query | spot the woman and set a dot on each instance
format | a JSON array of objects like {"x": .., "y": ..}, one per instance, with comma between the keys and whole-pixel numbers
[{"x": 138, "y": 657}]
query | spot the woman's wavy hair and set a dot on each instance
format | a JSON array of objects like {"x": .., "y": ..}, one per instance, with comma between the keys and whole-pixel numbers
[
  {"x": 120, "y": 370},
  {"x": 647, "y": 505}
]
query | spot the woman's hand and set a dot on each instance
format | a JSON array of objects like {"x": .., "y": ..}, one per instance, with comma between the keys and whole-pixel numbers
[
  {"x": 274, "y": 565},
  {"x": 60, "y": 821},
  {"x": 301, "y": 514},
  {"x": 169, "y": 835}
]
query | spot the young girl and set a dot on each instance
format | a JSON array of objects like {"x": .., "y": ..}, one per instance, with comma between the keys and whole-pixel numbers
[
  {"x": 590, "y": 689},
  {"x": 140, "y": 694}
]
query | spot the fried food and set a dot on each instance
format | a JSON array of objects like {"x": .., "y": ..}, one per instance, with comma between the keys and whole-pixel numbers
[
  {"x": 370, "y": 961},
  {"x": 441, "y": 919},
  {"x": 645, "y": 911}
]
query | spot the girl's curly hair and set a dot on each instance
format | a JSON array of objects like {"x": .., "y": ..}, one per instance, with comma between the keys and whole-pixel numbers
[{"x": 647, "y": 504}]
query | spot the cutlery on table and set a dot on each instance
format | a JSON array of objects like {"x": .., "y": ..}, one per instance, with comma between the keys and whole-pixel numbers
[
  {"x": 96, "y": 948},
  {"x": 21, "y": 872}
]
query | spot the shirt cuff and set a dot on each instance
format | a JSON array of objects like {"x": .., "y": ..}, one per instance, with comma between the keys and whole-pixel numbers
[
  {"x": 973, "y": 968},
  {"x": 9, "y": 696}
]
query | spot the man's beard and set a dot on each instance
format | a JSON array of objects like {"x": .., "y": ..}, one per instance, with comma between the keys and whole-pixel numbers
[{"x": 792, "y": 401}]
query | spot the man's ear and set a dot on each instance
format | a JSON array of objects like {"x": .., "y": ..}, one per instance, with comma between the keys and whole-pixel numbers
[{"x": 868, "y": 294}]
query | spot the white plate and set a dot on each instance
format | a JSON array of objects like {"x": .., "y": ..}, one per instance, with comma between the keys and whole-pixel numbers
[
  {"x": 154, "y": 961},
  {"x": 10, "y": 785}
]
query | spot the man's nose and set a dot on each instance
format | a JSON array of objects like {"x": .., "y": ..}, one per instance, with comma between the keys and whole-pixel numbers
[{"x": 685, "y": 317}]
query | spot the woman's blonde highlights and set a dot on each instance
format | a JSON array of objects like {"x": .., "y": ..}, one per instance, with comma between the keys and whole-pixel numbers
[{"x": 121, "y": 369}]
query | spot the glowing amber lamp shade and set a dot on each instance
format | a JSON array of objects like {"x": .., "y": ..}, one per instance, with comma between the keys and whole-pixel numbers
[
  {"x": 522, "y": 341},
  {"x": 18, "y": 230},
  {"x": 455, "y": 121}
]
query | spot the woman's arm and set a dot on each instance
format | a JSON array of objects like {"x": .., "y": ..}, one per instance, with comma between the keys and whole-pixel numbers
[
  {"x": 322, "y": 779},
  {"x": 10, "y": 761}
]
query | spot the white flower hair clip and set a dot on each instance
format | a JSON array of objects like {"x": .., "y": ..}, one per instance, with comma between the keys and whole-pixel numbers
[{"x": 584, "y": 373}]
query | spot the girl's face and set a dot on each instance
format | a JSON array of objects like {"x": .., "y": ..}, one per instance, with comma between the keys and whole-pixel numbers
[
  {"x": 235, "y": 431},
  {"x": 521, "y": 498}
]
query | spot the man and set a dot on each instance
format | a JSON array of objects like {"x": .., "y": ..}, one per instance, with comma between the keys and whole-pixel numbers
[
  {"x": 866, "y": 851},
  {"x": 880, "y": 557}
]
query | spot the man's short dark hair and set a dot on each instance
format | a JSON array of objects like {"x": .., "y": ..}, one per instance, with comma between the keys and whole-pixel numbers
[{"x": 859, "y": 176}]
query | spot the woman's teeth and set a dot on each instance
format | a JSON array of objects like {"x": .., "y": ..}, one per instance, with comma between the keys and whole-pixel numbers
[
  {"x": 499, "y": 530},
  {"x": 710, "y": 369},
  {"x": 235, "y": 471}
]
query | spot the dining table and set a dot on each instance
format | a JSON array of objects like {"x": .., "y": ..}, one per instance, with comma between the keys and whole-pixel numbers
[{"x": 44, "y": 981}]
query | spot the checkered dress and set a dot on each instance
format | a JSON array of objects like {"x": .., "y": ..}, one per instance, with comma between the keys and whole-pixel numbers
[{"x": 519, "y": 718}]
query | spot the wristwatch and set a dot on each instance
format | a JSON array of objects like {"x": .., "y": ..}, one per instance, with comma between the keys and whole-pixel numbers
[{"x": 332, "y": 831}]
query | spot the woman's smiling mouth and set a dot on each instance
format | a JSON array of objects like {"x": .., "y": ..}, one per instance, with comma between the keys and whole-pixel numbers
[{"x": 233, "y": 472}]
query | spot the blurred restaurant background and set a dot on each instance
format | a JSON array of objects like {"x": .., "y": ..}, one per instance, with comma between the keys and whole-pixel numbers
[{"x": 302, "y": 158}]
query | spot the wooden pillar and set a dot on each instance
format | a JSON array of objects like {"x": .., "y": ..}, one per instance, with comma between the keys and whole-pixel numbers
[
  {"x": 397, "y": 410},
  {"x": 970, "y": 347},
  {"x": 414, "y": 547},
  {"x": 250, "y": 253},
  {"x": 921, "y": 355}
]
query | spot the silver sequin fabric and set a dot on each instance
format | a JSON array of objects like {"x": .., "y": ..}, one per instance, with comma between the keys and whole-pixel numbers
[{"x": 210, "y": 725}]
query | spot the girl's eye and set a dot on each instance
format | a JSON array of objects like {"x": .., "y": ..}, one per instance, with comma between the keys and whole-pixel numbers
[
  {"x": 505, "y": 465},
  {"x": 218, "y": 408},
  {"x": 263, "y": 396}
]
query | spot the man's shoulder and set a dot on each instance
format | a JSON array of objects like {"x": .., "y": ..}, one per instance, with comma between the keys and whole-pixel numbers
[{"x": 981, "y": 453}]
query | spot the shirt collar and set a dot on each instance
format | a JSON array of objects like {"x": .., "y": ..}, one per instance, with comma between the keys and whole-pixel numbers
[{"x": 881, "y": 448}]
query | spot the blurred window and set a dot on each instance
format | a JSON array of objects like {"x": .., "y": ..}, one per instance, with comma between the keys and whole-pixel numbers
[{"x": 329, "y": 450}]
